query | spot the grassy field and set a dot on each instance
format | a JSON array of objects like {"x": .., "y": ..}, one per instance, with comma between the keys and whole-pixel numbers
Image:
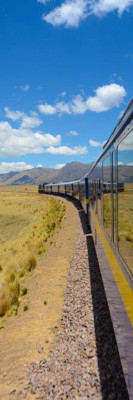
[{"x": 27, "y": 221}]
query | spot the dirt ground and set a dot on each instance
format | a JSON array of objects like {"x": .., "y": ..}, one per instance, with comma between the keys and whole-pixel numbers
[{"x": 32, "y": 334}]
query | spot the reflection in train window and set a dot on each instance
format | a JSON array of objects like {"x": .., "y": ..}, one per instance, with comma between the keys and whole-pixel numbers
[
  {"x": 107, "y": 195},
  {"x": 114, "y": 200},
  {"x": 82, "y": 193},
  {"x": 62, "y": 189},
  {"x": 55, "y": 189},
  {"x": 92, "y": 193},
  {"x": 125, "y": 199},
  {"x": 99, "y": 192},
  {"x": 76, "y": 190},
  {"x": 95, "y": 195},
  {"x": 68, "y": 189}
]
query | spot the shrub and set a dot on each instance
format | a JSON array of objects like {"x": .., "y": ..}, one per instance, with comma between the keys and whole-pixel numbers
[
  {"x": 14, "y": 292},
  {"x": 21, "y": 274},
  {"x": 24, "y": 291},
  {"x": 53, "y": 224},
  {"x": 9, "y": 296},
  {"x": 12, "y": 277},
  {"x": 10, "y": 274},
  {"x": 129, "y": 237},
  {"x": 4, "y": 303},
  {"x": 41, "y": 250},
  {"x": 25, "y": 308},
  {"x": 31, "y": 262}
]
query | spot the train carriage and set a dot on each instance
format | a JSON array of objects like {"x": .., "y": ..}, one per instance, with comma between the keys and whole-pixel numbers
[{"x": 107, "y": 189}]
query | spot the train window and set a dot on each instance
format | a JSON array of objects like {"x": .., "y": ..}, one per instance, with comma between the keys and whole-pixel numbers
[
  {"x": 62, "y": 189},
  {"x": 76, "y": 190},
  {"x": 99, "y": 192},
  {"x": 92, "y": 194},
  {"x": 68, "y": 189},
  {"x": 114, "y": 198},
  {"x": 95, "y": 196},
  {"x": 107, "y": 214},
  {"x": 125, "y": 199},
  {"x": 83, "y": 194}
]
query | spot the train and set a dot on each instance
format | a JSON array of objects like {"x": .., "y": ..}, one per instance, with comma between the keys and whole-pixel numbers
[
  {"x": 108, "y": 188},
  {"x": 106, "y": 195}
]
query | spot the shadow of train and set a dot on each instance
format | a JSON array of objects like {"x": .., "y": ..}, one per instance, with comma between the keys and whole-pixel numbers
[{"x": 113, "y": 383}]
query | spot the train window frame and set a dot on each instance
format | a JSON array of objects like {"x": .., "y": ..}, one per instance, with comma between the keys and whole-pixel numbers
[
  {"x": 123, "y": 135},
  {"x": 108, "y": 154},
  {"x": 126, "y": 133},
  {"x": 115, "y": 198}
]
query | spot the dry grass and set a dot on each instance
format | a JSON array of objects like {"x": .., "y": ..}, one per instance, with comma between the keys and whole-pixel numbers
[
  {"x": 28, "y": 331},
  {"x": 27, "y": 221}
]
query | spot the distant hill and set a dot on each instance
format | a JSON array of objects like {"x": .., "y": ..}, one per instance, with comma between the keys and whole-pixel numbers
[
  {"x": 71, "y": 171},
  {"x": 5, "y": 177}
]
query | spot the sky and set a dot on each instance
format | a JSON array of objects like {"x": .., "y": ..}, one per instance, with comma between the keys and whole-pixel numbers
[{"x": 66, "y": 76}]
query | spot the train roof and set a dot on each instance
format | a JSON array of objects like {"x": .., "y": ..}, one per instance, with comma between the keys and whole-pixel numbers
[
  {"x": 63, "y": 183},
  {"x": 126, "y": 118}
]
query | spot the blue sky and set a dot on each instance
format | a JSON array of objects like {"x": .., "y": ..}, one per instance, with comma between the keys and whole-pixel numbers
[{"x": 65, "y": 78}]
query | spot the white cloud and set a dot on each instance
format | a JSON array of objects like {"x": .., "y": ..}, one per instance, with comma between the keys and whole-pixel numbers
[
  {"x": 73, "y": 133},
  {"x": 14, "y": 115},
  {"x": 16, "y": 142},
  {"x": 41, "y": 1},
  {"x": 127, "y": 164},
  {"x": 105, "y": 98},
  {"x": 31, "y": 122},
  {"x": 60, "y": 107},
  {"x": 65, "y": 150},
  {"x": 25, "y": 139},
  {"x": 93, "y": 143},
  {"x": 78, "y": 105},
  {"x": 103, "y": 7},
  {"x": 18, "y": 166},
  {"x": 59, "y": 166},
  {"x": 63, "y": 94},
  {"x": 25, "y": 88},
  {"x": 47, "y": 109},
  {"x": 129, "y": 55},
  {"x": 26, "y": 121},
  {"x": 69, "y": 14}
]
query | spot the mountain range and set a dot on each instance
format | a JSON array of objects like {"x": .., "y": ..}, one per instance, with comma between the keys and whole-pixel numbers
[{"x": 71, "y": 171}]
